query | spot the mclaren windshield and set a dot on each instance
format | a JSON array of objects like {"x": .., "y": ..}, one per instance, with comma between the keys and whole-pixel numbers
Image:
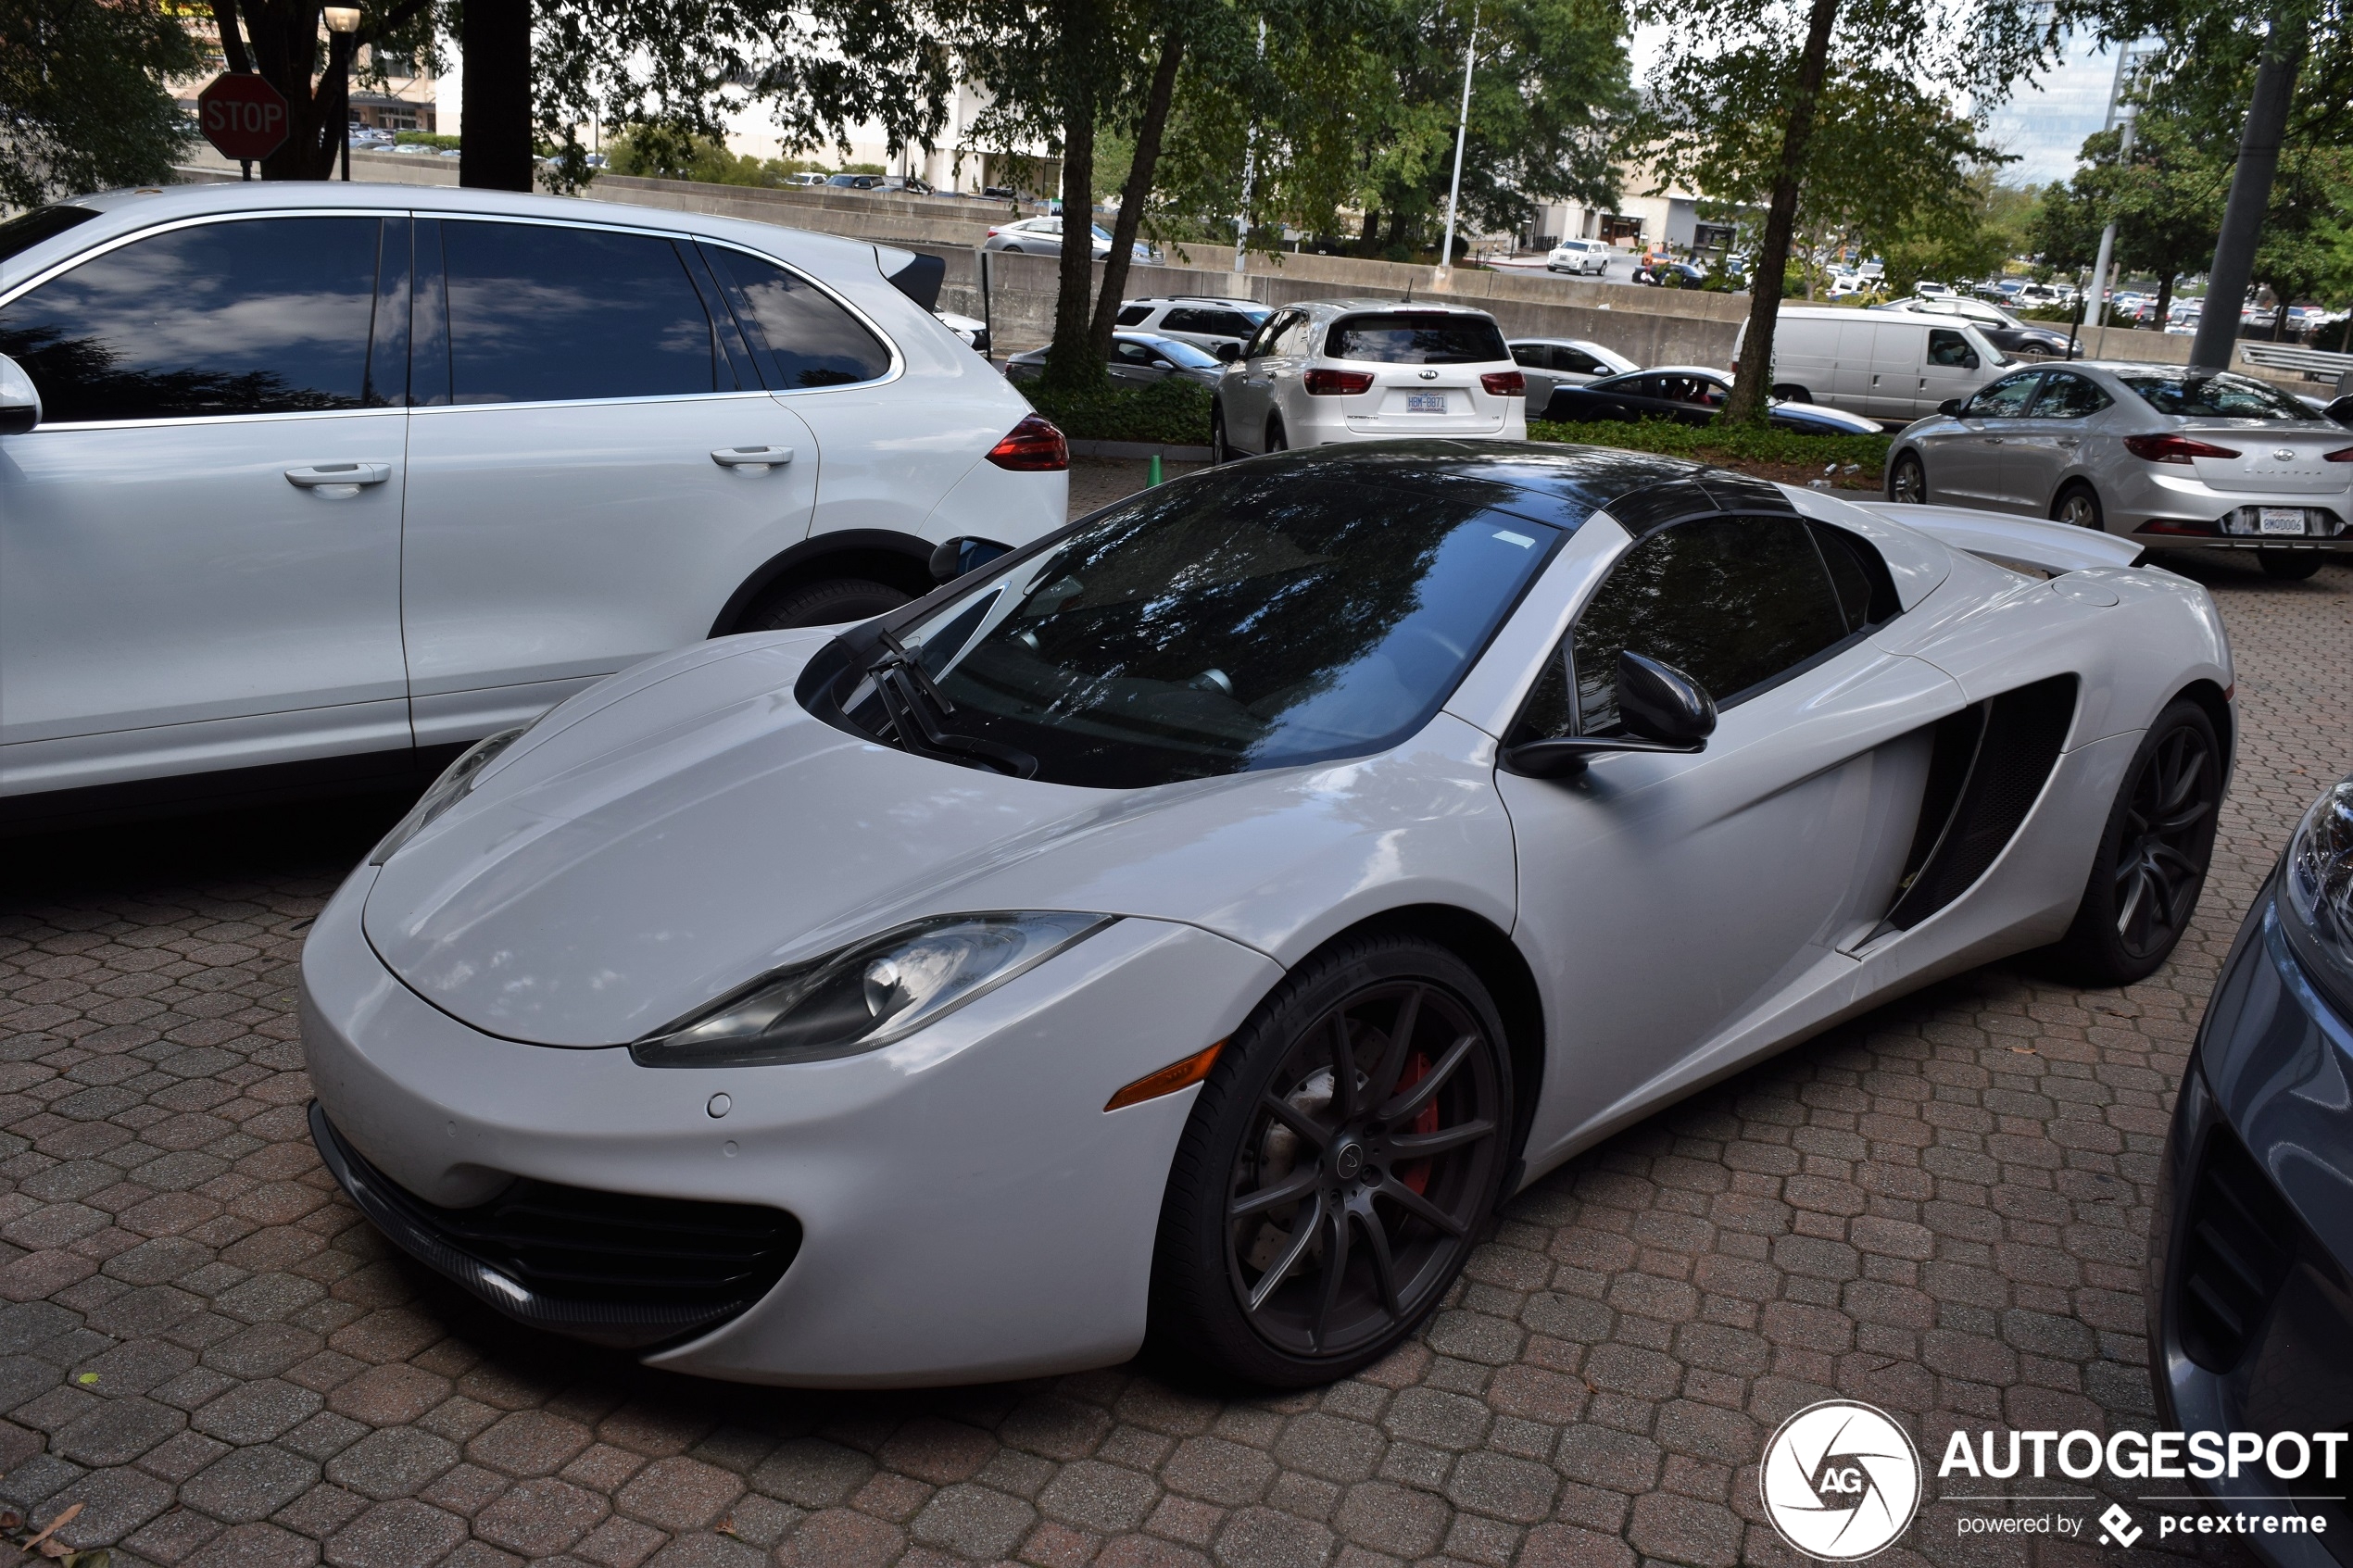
[{"x": 1233, "y": 621}]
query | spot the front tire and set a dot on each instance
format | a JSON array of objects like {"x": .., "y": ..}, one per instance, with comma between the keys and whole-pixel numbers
[
  {"x": 1337, "y": 1169},
  {"x": 2079, "y": 507},
  {"x": 2288, "y": 565},
  {"x": 1906, "y": 480},
  {"x": 1220, "y": 450},
  {"x": 2153, "y": 855}
]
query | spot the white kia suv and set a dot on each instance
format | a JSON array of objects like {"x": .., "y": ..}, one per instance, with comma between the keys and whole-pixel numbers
[
  {"x": 322, "y": 480},
  {"x": 1368, "y": 369}
]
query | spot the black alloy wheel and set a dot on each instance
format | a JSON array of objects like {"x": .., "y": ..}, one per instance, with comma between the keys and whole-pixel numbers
[
  {"x": 1338, "y": 1166},
  {"x": 2153, "y": 854},
  {"x": 1906, "y": 481}
]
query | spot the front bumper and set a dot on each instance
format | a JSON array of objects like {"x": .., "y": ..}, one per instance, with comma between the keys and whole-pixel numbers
[
  {"x": 2251, "y": 1252},
  {"x": 965, "y": 1209}
]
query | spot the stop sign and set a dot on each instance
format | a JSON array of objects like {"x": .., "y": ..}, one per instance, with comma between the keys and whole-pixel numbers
[{"x": 243, "y": 116}]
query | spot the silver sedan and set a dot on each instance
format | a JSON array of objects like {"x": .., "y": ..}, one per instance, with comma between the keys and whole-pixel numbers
[
  {"x": 1136, "y": 359},
  {"x": 2167, "y": 456}
]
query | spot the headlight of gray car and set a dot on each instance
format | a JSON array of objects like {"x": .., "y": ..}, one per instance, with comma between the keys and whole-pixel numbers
[
  {"x": 456, "y": 783},
  {"x": 866, "y": 996},
  {"x": 2317, "y": 888}
]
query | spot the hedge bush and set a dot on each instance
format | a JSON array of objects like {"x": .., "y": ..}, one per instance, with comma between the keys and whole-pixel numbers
[
  {"x": 1171, "y": 413},
  {"x": 1722, "y": 444}
]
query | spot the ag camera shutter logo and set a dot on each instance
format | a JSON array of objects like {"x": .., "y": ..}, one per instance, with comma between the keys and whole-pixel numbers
[{"x": 1841, "y": 1481}]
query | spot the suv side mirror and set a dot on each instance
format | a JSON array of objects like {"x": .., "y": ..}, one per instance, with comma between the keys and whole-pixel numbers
[
  {"x": 955, "y": 556},
  {"x": 1666, "y": 710},
  {"x": 19, "y": 399}
]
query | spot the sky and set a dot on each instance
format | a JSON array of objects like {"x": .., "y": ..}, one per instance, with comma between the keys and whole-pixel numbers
[{"x": 2042, "y": 124}]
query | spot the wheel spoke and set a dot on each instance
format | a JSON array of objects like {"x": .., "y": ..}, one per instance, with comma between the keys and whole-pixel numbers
[
  {"x": 1303, "y": 1236},
  {"x": 1421, "y": 1207},
  {"x": 1401, "y": 1047},
  {"x": 1384, "y": 1267},
  {"x": 1422, "y": 1145},
  {"x": 1335, "y": 1272},
  {"x": 2129, "y": 913},
  {"x": 1299, "y": 1186},
  {"x": 1296, "y": 1120},
  {"x": 2180, "y": 817},
  {"x": 1409, "y": 1105}
]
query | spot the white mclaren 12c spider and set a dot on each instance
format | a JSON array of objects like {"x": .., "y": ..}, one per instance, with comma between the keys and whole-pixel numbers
[{"x": 1187, "y": 929}]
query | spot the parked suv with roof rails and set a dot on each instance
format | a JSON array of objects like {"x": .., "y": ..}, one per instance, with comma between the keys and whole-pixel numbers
[
  {"x": 1216, "y": 324},
  {"x": 1368, "y": 369},
  {"x": 319, "y": 479}
]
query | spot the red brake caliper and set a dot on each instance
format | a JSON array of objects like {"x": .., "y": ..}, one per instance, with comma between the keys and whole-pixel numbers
[{"x": 1415, "y": 1173}]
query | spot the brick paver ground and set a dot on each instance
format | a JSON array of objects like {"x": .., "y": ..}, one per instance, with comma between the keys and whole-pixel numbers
[{"x": 1939, "y": 1208}]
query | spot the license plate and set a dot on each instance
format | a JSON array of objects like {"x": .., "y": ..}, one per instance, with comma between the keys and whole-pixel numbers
[
  {"x": 2278, "y": 520},
  {"x": 1435, "y": 403}
]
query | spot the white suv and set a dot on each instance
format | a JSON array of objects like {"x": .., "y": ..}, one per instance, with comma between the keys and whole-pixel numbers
[
  {"x": 1368, "y": 369},
  {"x": 319, "y": 478},
  {"x": 1215, "y": 323},
  {"x": 1581, "y": 256}
]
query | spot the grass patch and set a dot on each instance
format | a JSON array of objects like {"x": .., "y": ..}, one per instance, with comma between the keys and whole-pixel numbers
[
  {"x": 1730, "y": 445},
  {"x": 1169, "y": 413}
]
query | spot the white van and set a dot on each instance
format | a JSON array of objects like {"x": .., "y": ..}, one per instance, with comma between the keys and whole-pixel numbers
[{"x": 1892, "y": 368}]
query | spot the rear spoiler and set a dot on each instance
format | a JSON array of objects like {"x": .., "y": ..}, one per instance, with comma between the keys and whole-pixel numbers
[
  {"x": 2053, "y": 547},
  {"x": 913, "y": 273}
]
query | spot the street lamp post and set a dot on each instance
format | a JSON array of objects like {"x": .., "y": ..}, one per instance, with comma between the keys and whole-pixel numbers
[
  {"x": 342, "y": 21},
  {"x": 1462, "y": 134},
  {"x": 2124, "y": 61}
]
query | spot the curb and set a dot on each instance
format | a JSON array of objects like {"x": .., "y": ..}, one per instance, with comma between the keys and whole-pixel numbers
[{"x": 1138, "y": 449}]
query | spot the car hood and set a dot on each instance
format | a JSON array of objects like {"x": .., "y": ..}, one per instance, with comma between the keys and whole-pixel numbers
[{"x": 667, "y": 836}]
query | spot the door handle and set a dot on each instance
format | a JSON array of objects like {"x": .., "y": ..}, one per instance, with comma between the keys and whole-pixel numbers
[
  {"x": 344, "y": 478},
  {"x": 2070, "y": 441},
  {"x": 760, "y": 457},
  {"x": 1992, "y": 441}
]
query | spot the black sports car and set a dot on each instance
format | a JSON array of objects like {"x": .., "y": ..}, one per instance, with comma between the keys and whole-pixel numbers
[
  {"x": 1688, "y": 394},
  {"x": 2251, "y": 1252}
]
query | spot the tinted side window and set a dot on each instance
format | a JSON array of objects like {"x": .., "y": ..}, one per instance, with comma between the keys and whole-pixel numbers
[
  {"x": 1230, "y": 323},
  {"x": 1579, "y": 362},
  {"x": 1946, "y": 346},
  {"x": 2006, "y": 399},
  {"x": 801, "y": 336},
  {"x": 1262, "y": 341},
  {"x": 267, "y": 316},
  {"x": 1732, "y": 602},
  {"x": 539, "y": 313},
  {"x": 2069, "y": 397},
  {"x": 1185, "y": 319},
  {"x": 1130, "y": 314},
  {"x": 1535, "y": 355},
  {"x": 1858, "y": 573}
]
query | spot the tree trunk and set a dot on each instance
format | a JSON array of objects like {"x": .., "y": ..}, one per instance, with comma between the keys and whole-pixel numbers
[
  {"x": 496, "y": 45},
  {"x": 1071, "y": 359},
  {"x": 283, "y": 39},
  {"x": 1136, "y": 191},
  {"x": 2164, "y": 301},
  {"x": 1752, "y": 379},
  {"x": 1368, "y": 241}
]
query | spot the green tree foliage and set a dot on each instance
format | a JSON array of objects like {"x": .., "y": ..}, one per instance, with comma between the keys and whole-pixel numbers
[
  {"x": 82, "y": 104},
  {"x": 660, "y": 152},
  {"x": 2165, "y": 201},
  {"x": 1847, "y": 105}
]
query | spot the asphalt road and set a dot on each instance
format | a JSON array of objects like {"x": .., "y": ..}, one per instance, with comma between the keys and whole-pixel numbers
[{"x": 1938, "y": 1208}]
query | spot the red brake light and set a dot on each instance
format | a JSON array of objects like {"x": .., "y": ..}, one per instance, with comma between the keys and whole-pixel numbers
[
  {"x": 2342, "y": 454},
  {"x": 2173, "y": 448},
  {"x": 1504, "y": 384},
  {"x": 1032, "y": 446},
  {"x": 1339, "y": 384}
]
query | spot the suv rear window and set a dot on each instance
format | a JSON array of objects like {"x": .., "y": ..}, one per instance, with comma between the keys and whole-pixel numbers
[
  {"x": 1130, "y": 315},
  {"x": 1416, "y": 339},
  {"x": 21, "y": 233}
]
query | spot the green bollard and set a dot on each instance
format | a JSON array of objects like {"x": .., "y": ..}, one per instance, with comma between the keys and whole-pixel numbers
[{"x": 1155, "y": 471}]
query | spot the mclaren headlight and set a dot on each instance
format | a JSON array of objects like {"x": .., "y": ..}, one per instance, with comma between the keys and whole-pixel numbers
[
  {"x": 2316, "y": 892},
  {"x": 867, "y": 995},
  {"x": 456, "y": 781}
]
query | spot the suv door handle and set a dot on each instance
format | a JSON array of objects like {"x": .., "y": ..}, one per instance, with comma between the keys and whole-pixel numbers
[
  {"x": 344, "y": 475},
  {"x": 761, "y": 457}
]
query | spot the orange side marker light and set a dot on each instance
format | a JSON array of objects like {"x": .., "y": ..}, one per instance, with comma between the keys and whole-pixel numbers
[{"x": 1168, "y": 1079}]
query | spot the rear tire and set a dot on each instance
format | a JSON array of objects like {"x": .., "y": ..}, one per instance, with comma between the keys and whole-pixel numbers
[
  {"x": 2288, "y": 565},
  {"x": 1906, "y": 480},
  {"x": 1220, "y": 450},
  {"x": 2152, "y": 857},
  {"x": 2078, "y": 506},
  {"x": 832, "y": 601},
  {"x": 1274, "y": 442},
  {"x": 1424, "y": 1045}
]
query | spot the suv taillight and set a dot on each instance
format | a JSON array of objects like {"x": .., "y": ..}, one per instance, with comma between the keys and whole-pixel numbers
[
  {"x": 1504, "y": 384},
  {"x": 2173, "y": 449},
  {"x": 1032, "y": 446},
  {"x": 1339, "y": 384}
]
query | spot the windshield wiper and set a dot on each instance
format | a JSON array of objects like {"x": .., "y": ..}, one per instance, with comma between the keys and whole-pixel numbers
[{"x": 910, "y": 699}]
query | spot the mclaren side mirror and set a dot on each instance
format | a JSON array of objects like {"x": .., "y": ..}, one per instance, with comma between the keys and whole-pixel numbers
[
  {"x": 1663, "y": 710},
  {"x": 1950, "y": 406},
  {"x": 956, "y": 557},
  {"x": 19, "y": 399}
]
